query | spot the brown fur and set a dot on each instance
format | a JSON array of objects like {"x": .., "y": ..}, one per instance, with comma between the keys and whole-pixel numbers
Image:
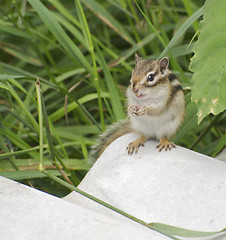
[
  {"x": 113, "y": 132},
  {"x": 120, "y": 132}
]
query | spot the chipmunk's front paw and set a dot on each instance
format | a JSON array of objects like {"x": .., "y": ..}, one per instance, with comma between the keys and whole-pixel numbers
[
  {"x": 165, "y": 144},
  {"x": 134, "y": 146},
  {"x": 141, "y": 110},
  {"x": 132, "y": 109},
  {"x": 137, "y": 110}
]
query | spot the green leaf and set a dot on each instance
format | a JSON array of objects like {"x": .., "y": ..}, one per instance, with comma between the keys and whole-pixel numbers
[{"x": 209, "y": 63}]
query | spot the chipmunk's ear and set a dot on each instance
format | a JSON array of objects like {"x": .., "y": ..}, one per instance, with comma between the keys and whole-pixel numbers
[
  {"x": 137, "y": 58},
  {"x": 163, "y": 63}
]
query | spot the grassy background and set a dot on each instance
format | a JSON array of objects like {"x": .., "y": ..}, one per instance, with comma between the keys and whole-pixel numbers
[{"x": 82, "y": 52}]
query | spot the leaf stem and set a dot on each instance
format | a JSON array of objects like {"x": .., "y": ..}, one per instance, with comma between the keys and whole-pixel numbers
[{"x": 39, "y": 100}]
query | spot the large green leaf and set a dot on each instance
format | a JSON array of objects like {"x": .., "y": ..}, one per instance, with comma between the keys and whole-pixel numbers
[{"x": 209, "y": 62}]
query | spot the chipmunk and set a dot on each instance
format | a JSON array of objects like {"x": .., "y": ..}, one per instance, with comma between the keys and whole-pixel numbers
[{"x": 156, "y": 107}]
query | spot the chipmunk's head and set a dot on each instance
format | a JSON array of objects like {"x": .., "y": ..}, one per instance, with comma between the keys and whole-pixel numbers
[{"x": 149, "y": 77}]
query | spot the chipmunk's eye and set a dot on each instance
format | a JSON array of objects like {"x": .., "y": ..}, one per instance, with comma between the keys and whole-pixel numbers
[{"x": 150, "y": 77}]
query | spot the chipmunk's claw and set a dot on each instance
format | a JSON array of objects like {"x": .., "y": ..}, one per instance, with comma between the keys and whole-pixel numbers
[
  {"x": 165, "y": 144},
  {"x": 134, "y": 146}
]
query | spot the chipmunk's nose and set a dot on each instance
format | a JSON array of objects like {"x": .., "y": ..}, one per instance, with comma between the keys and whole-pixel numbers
[{"x": 135, "y": 89}]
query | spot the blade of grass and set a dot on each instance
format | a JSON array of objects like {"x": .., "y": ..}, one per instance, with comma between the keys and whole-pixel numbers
[
  {"x": 18, "y": 153},
  {"x": 126, "y": 54},
  {"x": 21, "y": 175},
  {"x": 56, "y": 135},
  {"x": 21, "y": 55},
  {"x": 6, "y": 149},
  {"x": 132, "y": 21},
  {"x": 89, "y": 43},
  {"x": 52, "y": 24},
  {"x": 33, "y": 164},
  {"x": 71, "y": 28},
  {"x": 182, "y": 30},
  {"x": 64, "y": 11},
  {"x": 108, "y": 19},
  {"x": 220, "y": 145},
  {"x": 13, "y": 31},
  {"x": 114, "y": 94},
  {"x": 171, "y": 230},
  {"x": 54, "y": 154},
  {"x": 152, "y": 26},
  {"x": 60, "y": 112},
  {"x": 69, "y": 74},
  {"x": 20, "y": 143},
  {"x": 6, "y": 77},
  {"x": 122, "y": 8},
  {"x": 75, "y": 104},
  {"x": 189, "y": 10},
  {"x": 21, "y": 104},
  {"x": 190, "y": 122},
  {"x": 21, "y": 88},
  {"x": 206, "y": 130},
  {"x": 38, "y": 92},
  {"x": 84, "y": 148}
]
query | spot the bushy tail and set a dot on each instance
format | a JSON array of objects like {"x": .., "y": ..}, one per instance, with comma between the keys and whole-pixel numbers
[{"x": 113, "y": 132}]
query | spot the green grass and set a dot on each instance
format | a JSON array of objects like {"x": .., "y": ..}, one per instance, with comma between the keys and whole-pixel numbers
[{"x": 83, "y": 51}]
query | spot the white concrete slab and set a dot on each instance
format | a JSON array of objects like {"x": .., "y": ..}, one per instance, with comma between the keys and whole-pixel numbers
[
  {"x": 222, "y": 155},
  {"x": 179, "y": 187},
  {"x": 26, "y": 214}
]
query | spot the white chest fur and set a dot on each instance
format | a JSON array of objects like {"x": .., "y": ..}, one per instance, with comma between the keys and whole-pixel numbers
[{"x": 154, "y": 126}]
